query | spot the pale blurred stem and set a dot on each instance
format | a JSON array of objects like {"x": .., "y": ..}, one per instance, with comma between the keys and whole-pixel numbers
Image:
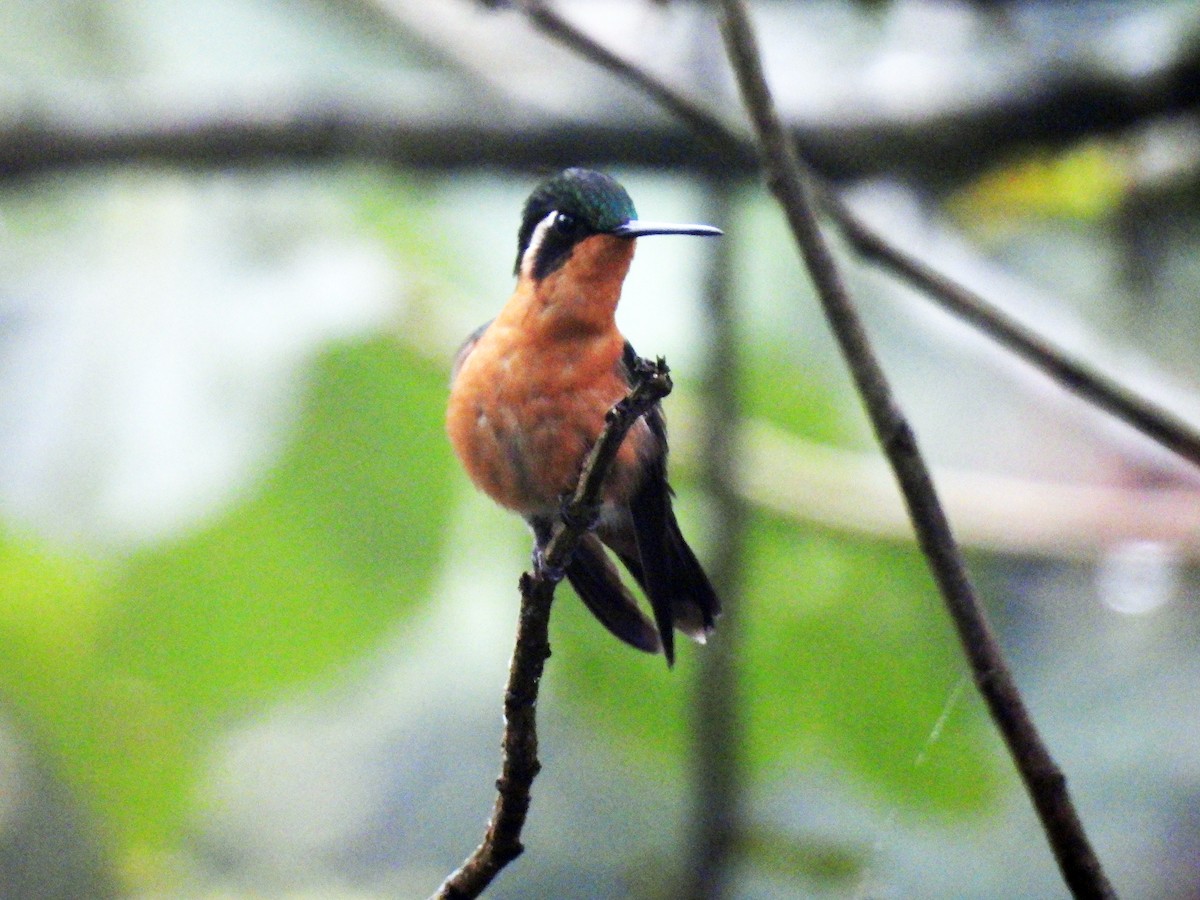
[
  {"x": 730, "y": 139},
  {"x": 1046, "y": 785},
  {"x": 715, "y": 819},
  {"x": 519, "y": 764}
]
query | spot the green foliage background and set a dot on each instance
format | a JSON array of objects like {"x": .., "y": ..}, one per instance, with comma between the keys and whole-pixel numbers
[{"x": 125, "y": 670}]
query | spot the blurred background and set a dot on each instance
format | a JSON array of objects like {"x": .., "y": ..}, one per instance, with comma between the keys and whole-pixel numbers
[{"x": 255, "y": 623}]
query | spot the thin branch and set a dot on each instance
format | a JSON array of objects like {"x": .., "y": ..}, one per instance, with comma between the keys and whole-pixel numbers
[
  {"x": 727, "y": 136},
  {"x": 1046, "y": 785},
  {"x": 1073, "y": 374},
  {"x": 519, "y": 766}
]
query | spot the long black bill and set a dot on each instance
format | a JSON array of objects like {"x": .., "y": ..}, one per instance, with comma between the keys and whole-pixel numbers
[{"x": 636, "y": 228}]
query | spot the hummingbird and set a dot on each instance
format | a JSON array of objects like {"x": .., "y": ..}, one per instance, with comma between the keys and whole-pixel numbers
[{"x": 528, "y": 398}]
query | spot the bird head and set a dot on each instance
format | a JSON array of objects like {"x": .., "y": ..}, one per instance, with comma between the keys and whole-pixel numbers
[{"x": 573, "y": 206}]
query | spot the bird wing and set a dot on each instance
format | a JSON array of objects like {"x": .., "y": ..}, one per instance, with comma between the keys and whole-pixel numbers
[
  {"x": 467, "y": 346},
  {"x": 679, "y": 591}
]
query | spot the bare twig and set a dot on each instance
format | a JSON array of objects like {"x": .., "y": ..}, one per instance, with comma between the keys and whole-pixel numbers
[
  {"x": 717, "y": 132},
  {"x": 1046, "y": 785},
  {"x": 502, "y": 840},
  {"x": 1073, "y": 374},
  {"x": 727, "y": 136}
]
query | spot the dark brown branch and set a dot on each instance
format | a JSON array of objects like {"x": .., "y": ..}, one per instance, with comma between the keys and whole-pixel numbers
[
  {"x": 1053, "y": 106},
  {"x": 1046, "y": 785},
  {"x": 1073, "y": 374},
  {"x": 519, "y": 766},
  {"x": 328, "y": 132}
]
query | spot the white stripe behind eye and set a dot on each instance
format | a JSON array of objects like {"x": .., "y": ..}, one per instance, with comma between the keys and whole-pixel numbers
[{"x": 535, "y": 243}]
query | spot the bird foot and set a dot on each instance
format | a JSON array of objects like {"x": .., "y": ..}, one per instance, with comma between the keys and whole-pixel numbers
[
  {"x": 543, "y": 569},
  {"x": 578, "y": 516}
]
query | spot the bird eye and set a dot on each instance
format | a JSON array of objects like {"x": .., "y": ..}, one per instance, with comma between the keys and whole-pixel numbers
[{"x": 564, "y": 223}]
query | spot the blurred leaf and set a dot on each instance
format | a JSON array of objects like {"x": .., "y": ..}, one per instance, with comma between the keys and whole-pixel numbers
[
  {"x": 811, "y": 856},
  {"x": 340, "y": 539},
  {"x": 48, "y": 621},
  {"x": 1086, "y": 182},
  {"x": 776, "y": 391},
  {"x": 852, "y": 659},
  {"x": 127, "y": 676}
]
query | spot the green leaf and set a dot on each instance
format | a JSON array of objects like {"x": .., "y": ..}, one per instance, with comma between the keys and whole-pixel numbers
[
  {"x": 52, "y": 609},
  {"x": 776, "y": 392},
  {"x": 340, "y": 539},
  {"x": 851, "y": 658}
]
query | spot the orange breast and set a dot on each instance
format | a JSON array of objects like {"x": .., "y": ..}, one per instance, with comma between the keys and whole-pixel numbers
[
  {"x": 529, "y": 400},
  {"x": 523, "y": 416}
]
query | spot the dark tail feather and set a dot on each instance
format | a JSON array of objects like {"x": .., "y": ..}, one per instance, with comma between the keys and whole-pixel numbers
[
  {"x": 695, "y": 619},
  {"x": 697, "y": 606},
  {"x": 679, "y": 592},
  {"x": 599, "y": 587}
]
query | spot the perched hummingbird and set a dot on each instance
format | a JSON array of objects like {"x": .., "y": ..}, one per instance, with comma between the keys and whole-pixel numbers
[{"x": 528, "y": 399}]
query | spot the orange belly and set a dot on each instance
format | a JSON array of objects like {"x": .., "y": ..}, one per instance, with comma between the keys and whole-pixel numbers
[{"x": 522, "y": 419}]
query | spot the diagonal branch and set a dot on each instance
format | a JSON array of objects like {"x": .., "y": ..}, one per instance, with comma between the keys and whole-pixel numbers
[
  {"x": 731, "y": 140},
  {"x": 1075, "y": 375},
  {"x": 519, "y": 766},
  {"x": 1046, "y": 785},
  {"x": 724, "y": 135}
]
